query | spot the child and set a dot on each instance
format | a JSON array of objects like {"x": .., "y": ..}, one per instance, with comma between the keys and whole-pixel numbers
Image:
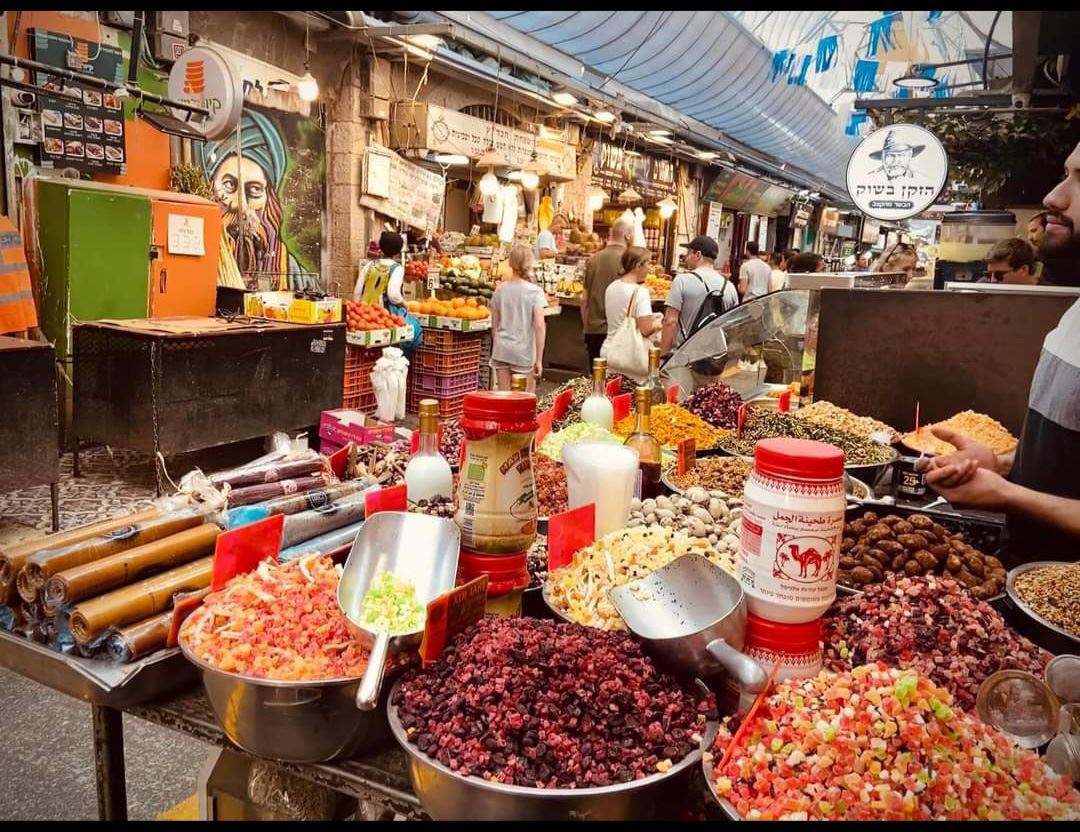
[{"x": 517, "y": 323}]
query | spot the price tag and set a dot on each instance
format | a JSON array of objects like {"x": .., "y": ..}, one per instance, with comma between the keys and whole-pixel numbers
[
  {"x": 569, "y": 533},
  {"x": 687, "y": 458},
  {"x": 785, "y": 401},
  {"x": 613, "y": 388},
  {"x": 386, "y": 499},
  {"x": 620, "y": 406},
  {"x": 451, "y": 613},
  {"x": 673, "y": 394},
  {"x": 184, "y": 604},
  {"x": 339, "y": 460},
  {"x": 544, "y": 422},
  {"x": 241, "y": 550},
  {"x": 740, "y": 420},
  {"x": 433, "y": 281},
  {"x": 562, "y": 403}
]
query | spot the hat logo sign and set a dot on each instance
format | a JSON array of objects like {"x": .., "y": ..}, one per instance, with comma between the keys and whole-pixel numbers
[{"x": 194, "y": 78}]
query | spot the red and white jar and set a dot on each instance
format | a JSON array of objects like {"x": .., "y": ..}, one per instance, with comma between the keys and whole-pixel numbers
[
  {"x": 792, "y": 527},
  {"x": 793, "y": 649}
]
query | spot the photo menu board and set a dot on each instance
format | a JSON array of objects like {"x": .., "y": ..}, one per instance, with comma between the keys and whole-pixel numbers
[{"x": 83, "y": 128}]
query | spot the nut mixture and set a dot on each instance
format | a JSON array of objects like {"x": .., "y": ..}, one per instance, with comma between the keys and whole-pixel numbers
[
  {"x": 766, "y": 424},
  {"x": 551, "y": 497},
  {"x": 436, "y": 507},
  {"x": 930, "y": 625},
  {"x": 709, "y": 514},
  {"x": 672, "y": 423},
  {"x": 545, "y": 704},
  {"x": 714, "y": 473},
  {"x": 831, "y": 416},
  {"x": 874, "y": 547},
  {"x": 973, "y": 425},
  {"x": 538, "y": 562},
  {"x": 1054, "y": 593}
]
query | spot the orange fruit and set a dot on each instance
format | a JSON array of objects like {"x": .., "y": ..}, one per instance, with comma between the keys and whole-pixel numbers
[{"x": 471, "y": 302}]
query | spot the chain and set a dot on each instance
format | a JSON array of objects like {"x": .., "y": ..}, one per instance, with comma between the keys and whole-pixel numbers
[{"x": 155, "y": 385}]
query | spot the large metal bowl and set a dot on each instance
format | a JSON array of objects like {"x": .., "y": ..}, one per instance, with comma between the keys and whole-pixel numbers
[
  {"x": 707, "y": 761},
  {"x": 1016, "y": 611},
  {"x": 446, "y": 795},
  {"x": 297, "y": 722}
]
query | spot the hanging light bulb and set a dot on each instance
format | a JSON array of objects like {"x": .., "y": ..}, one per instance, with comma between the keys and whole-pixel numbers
[
  {"x": 667, "y": 207},
  {"x": 489, "y": 185},
  {"x": 629, "y": 196},
  {"x": 529, "y": 180},
  {"x": 597, "y": 198},
  {"x": 308, "y": 87}
]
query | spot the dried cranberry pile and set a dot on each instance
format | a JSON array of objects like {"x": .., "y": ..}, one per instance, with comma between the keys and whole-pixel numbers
[
  {"x": 717, "y": 404},
  {"x": 932, "y": 625},
  {"x": 546, "y": 704}
]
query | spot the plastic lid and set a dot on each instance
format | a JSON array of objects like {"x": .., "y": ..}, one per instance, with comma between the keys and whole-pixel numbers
[
  {"x": 498, "y": 568},
  {"x": 799, "y": 459},
  {"x": 499, "y": 406},
  {"x": 782, "y": 638}
]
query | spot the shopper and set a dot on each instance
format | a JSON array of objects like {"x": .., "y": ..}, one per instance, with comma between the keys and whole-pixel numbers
[
  {"x": 18, "y": 315},
  {"x": 629, "y": 288},
  {"x": 900, "y": 257},
  {"x": 1036, "y": 486},
  {"x": 806, "y": 263},
  {"x": 518, "y": 327},
  {"x": 1011, "y": 261},
  {"x": 1036, "y": 228},
  {"x": 380, "y": 280},
  {"x": 545, "y": 240},
  {"x": 753, "y": 274},
  {"x": 778, "y": 275},
  {"x": 690, "y": 290},
  {"x": 602, "y": 270}
]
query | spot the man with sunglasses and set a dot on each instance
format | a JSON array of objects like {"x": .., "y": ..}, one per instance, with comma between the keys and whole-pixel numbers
[{"x": 1011, "y": 261}]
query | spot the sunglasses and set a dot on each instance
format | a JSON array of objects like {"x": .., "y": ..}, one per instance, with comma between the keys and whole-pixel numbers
[{"x": 998, "y": 274}]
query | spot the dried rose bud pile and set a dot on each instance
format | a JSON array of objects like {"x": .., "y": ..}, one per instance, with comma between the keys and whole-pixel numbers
[
  {"x": 879, "y": 743},
  {"x": 717, "y": 404},
  {"x": 930, "y": 625},
  {"x": 551, "y": 494},
  {"x": 549, "y": 705}
]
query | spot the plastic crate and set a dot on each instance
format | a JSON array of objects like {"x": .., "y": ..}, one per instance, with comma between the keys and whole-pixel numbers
[
  {"x": 445, "y": 339},
  {"x": 364, "y": 402},
  {"x": 442, "y": 386},
  {"x": 449, "y": 408},
  {"x": 359, "y": 362},
  {"x": 447, "y": 362}
]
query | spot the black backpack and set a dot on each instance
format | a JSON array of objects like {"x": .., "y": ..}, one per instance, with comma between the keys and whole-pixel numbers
[{"x": 712, "y": 307}]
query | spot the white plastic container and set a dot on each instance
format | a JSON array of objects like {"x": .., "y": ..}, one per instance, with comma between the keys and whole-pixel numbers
[
  {"x": 604, "y": 474},
  {"x": 792, "y": 527}
]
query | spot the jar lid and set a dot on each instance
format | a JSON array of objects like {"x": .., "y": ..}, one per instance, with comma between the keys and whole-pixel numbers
[
  {"x": 498, "y": 405},
  {"x": 496, "y": 567},
  {"x": 799, "y": 458},
  {"x": 1020, "y": 706},
  {"x": 782, "y": 638}
]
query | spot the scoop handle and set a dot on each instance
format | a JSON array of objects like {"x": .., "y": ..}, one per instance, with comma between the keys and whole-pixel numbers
[
  {"x": 367, "y": 695},
  {"x": 747, "y": 672}
]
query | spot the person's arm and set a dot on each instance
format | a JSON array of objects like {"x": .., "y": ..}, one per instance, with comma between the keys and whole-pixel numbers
[
  {"x": 647, "y": 322},
  {"x": 397, "y": 280},
  {"x": 957, "y": 468},
  {"x": 744, "y": 280},
  {"x": 669, "y": 327},
  {"x": 539, "y": 335}
]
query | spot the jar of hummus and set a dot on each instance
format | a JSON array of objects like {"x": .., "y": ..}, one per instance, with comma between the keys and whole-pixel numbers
[
  {"x": 496, "y": 490},
  {"x": 792, "y": 527}
]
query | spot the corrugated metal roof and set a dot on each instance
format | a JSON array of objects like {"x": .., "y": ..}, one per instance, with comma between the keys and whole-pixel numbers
[{"x": 704, "y": 64}]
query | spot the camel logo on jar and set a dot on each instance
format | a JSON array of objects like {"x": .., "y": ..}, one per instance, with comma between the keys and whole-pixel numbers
[{"x": 805, "y": 560}]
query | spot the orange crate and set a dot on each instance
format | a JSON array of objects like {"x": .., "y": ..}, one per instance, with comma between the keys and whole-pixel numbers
[
  {"x": 364, "y": 402},
  {"x": 447, "y": 362},
  {"x": 359, "y": 362},
  {"x": 445, "y": 339},
  {"x": 448, "y": 408}
]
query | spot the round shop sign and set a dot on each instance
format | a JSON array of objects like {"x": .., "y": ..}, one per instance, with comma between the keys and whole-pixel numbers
[
  {"x": 897, "y": 172},
  {"x": 203, "y": 78}
]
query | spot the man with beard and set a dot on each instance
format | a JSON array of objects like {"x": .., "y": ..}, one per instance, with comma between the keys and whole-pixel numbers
[
  {"x": 1036, "y": 486},
  {"x": 246, "y": 183}
]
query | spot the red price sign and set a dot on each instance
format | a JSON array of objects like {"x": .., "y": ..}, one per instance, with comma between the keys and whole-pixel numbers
[
  {"x": 740, "y": 420},
  {"x": 673, "y": 394},
  {"x": 451, "y": 613},
  {"x": 569, "y": 533},
  {"x": 687, "y": 456},
  {"x": 613, "y": 388},
  {"x": 562, "y": 403},
  {"x": 544, "y": 421},
  {"x": 184, "y": 604},
  {"x": 386, "y": 499},
  {"x": 241, "y": 550},
  {"x": 339, "y": 459},
  {"x": 620, "y": 406},
  {"x": 785, "y": 401}
]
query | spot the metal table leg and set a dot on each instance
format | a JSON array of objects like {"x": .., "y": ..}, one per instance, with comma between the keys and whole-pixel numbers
[
  {"x": 75, "y": 458},
  {"x": 109, "y": 762},
  {"x": 54, "y": 496}
]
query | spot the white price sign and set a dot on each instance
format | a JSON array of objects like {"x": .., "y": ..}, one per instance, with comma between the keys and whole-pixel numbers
[
  {"x": 186, "y": 235},
  {"x": 433, "y": 280}
]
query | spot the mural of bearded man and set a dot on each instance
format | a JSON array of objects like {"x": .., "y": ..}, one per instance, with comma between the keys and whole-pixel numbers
[{"x": 246, "y": 184}]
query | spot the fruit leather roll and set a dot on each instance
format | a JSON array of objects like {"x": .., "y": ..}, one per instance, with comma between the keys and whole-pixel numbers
[
  {"x": 337, "y": 542},
  {"x": 13, "y": 558},
  {"x": 130, "y": 643},
  {"x": 41, "y": 566},
  {"x": 269, "y": 490},
  {"x": 309, "y": 524},
  {"x": 138, "y": 601},
  {"x": 316, "y": 499},
  {"x": 270, "y": 472},
  {"x": 90, "y": 579}
]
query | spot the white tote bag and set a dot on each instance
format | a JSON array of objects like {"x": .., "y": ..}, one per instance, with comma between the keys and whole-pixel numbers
[{"x": 627, "y": 351}]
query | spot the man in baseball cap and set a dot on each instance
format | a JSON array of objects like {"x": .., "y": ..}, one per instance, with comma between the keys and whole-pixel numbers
[{"x": 690, "y": 289}]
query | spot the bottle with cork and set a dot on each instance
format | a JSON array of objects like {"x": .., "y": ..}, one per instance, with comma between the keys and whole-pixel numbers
[
  {"x": 597, "y": 408},
  {"x": 648, "y": 449},
  {"x": 428, "y": 475}
]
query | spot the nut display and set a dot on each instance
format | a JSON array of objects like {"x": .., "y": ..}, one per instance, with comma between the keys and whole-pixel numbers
[
  {"x": 973, "y": 425},
  {"x": 435, "y": 507},
  {"x": 874, "y": 547},
  {"x": 714, "y": 473},
  {"x": 712, "y": 515},
  {"x": 767, "y": 424},
  {"x": 538, "y": 562},
  {"x": 930, "y": 625},
  {"x": 839, "y": 418},
  {"x": 545, "y": 704},
  {"x": 382, "y": 463},
  {"x": 717, "y": 404},
  {"x": 450, "y": 444},
  {"x": 580, "y": 590},
  {"x": 550, "y": 476},
  {"x": 671, "y": 424},
  {"x": 1054, "y": 593},
  {"x": 880, "y": 743}
]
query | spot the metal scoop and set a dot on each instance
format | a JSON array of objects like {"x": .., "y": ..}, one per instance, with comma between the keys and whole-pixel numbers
[
  {"x": 691, "y": 614},
  {"x": 416, "y": 547}
]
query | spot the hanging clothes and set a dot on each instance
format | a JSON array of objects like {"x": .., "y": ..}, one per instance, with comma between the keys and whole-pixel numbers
[
  {"x": 491, "y": 207},
  {"x": 17, "y": 310},
  {"x": 508, "y": 220}
]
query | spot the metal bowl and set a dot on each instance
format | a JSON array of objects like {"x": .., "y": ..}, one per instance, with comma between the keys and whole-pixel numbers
[
  {"x": 707, "y": 769},
  {"x": 297, "y": 722},
  {"x": 446, "y": 795},
  {"x": 1044, "y": 633}
]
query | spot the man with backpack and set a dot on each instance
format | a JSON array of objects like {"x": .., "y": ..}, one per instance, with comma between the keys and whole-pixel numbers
[{"x": 700, "y": 292}]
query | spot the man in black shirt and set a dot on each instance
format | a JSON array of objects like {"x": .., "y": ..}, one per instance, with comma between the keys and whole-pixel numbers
[{"x": 1037, "y": 486}]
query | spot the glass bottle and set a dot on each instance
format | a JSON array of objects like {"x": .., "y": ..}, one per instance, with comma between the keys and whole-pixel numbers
[
  {"x": 656, "y": 387},
  {"x": 519, "y": 383},
  {"x": 597, "y": 409},
  {"x": 427, "y": 475},
  {"x": 648, "y": 449}
]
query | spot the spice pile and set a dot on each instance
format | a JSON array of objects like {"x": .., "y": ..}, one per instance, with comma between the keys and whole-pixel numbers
[
  {"x": 549, "y": 705},
  {"x": 553, "y": 443},
  {"x": 538, "y": 562},
  {"x": 880, "y": 744},
  {"x": 767, "y": 424},
  {"x": 550, "y": 476},
  {"x": 829, "y": 415},
  {"x": 973, "y": 425},
  {"x": 714, "y": 473},
  {"x": 277, "y": 622},
  {"x": 930, "y": 625},
  {"x": 712, "y": 515},
  {"x": 873, "y": 548},
  {"x": 671, "y": 424},
  {"x": 717, "y": 404},
  {"x": 384, "y": 464},
  {"x": 580, "y": 589},
  {"x": 1054, "y": 593}
]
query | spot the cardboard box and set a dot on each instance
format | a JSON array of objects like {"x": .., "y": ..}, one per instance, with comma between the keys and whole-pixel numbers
[
  {"x": 283, "y": 306},
  {"x": 339, "y": 427}
]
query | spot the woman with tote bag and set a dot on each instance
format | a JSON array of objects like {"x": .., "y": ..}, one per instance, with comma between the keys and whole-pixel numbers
[{"x": 630, "y": 319}]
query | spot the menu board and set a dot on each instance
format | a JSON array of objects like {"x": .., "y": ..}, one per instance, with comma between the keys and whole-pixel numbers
[
  {"x": 83, "y": 128},
  {"x": 740, "y": 192},
  {"x": 615, "y": 168},
  {"x": 414, "y": 194}
]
